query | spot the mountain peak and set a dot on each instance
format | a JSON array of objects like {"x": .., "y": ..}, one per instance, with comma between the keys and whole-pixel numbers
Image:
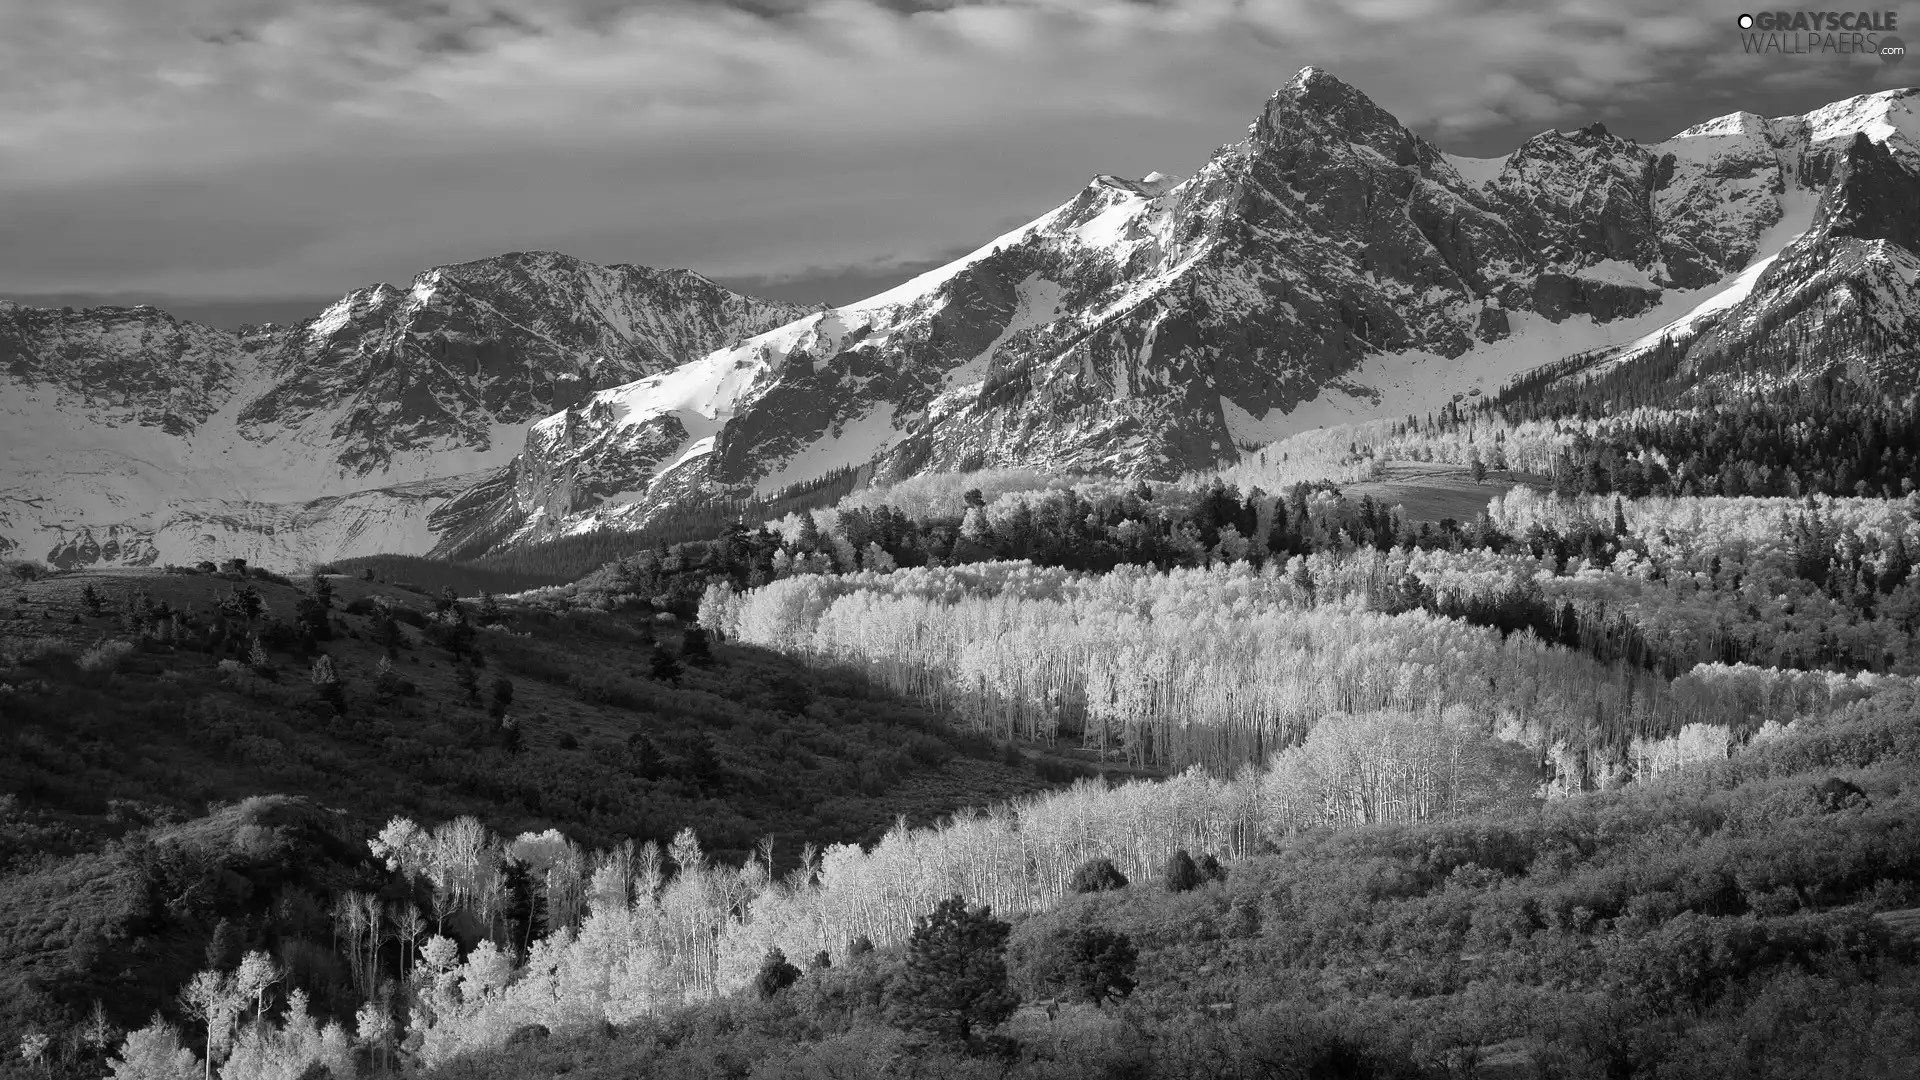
[
  {"x": 1307, "y": 76},
  {"x": 1317, "y": 86},
  {"x": 1317, "y": 107}
]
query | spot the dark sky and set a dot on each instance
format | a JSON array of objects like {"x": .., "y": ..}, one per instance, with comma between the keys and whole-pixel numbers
[{"x": 252, "y": 159}]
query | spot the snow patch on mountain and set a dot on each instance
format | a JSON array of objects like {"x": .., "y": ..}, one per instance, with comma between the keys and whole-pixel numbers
[
  {"x": 1476, "y": 171},
  {"x": 1797, "y": 209},
  {"x": 920, "y": 287},
  {"x": 1619, "y": 272},
  {"x": 853, "y": 444},
  {"x": 1885, "y": 117}
]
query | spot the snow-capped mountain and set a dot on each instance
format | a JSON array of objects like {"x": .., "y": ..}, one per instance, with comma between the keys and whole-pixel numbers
[
  {"x": 1331, "y": 265},
  {"x": 1835, "y": 283},
  {"x": 134, "y": 437}
]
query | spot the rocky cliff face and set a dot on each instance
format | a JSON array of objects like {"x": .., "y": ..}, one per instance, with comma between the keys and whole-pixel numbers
[
  {"x": 1331, "y": 264},
  {"x": 1839, "y": 192}
]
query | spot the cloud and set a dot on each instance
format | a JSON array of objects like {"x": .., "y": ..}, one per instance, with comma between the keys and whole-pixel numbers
[{"x": 282, "y": 147}]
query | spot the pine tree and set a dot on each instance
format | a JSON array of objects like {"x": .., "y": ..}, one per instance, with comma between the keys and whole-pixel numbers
[
  {"x": 1096, "y": 875},
  {"x": 312, "y": 616},
  {"x": 468, "y": 680},
  {"x": 809, "y": 539},
  {"x": 645, "y": 754},
  {"x": 700, "y": 764},
  {"x": 1098, "y": 963},
  {"x": 1182, "y": 874},
  {"x": 386, "y": 682},
  {"x": 775, "y": 974},
  {"x": 695, "y": 648},
  {"x": 323, "y": 591},
  {"x": 387, "y": 632},
  {"x": 489, "y": 609},
  {"x": 91, "y": 597},
  {"x": 664, "y": 666},
  {"x": 223, "y": 949},
  {"x": 955, "y": 981}
]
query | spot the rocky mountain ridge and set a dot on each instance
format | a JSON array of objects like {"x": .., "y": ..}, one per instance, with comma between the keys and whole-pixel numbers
[
  {"x": 1331, "y": 265},
  {"x": 135, "y": 437}
]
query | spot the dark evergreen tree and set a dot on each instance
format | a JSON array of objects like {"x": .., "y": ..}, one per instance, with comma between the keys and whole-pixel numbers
[
  {"x": 1096, "y": 875},
  {"x": 775, "y": 974},
  {"x": 92, "y": 599},
  {"x": 809, "y": 539},
  {"x": 468, "y": 680},
  {"x": 489, "y": 609},
  {"x": 700, "y": 764},
  {"x": 312, "y": 618},
  {"x": 223, "y": 949},
  {"x": 694, "y": 647},
  {"x": 664, "y": 666},
  {"x": 1182, "y": 875},
  {"x": 387, "y": 633},
  {"x": 457, "y": 637},
  {"x": 519, "y": 911},
  {"x": 955, "y": 982},
  {"x": 645, "y": 755},
  {"x": 1095, "y": 963}
]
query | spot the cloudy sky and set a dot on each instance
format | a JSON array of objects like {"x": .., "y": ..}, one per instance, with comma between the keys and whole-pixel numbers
[{"x": 230, "y": 157}]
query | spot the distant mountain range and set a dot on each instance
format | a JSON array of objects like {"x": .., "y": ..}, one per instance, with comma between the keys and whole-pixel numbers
[{"x": 1330, "y": 266}]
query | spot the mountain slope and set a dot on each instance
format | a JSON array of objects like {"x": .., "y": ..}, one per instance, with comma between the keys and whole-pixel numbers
[
  {"x": 1832, "y": 283},
  {"x": 135, "y": 437},
  {"x": 1330, "y": 266}
]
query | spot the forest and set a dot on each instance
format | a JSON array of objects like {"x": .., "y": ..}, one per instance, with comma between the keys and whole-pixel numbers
[
  {"x": 1741, "y": 916},
  {"x": 1253, "y": 773}
]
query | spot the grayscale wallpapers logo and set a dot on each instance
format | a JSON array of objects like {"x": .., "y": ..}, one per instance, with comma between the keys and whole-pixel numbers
[{"x": 1838, "y": 33}]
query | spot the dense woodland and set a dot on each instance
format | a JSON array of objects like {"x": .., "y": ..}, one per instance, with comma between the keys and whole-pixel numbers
[
  {"x": 1722, "y": 919},
  {"x": 1607, "y": 777}
]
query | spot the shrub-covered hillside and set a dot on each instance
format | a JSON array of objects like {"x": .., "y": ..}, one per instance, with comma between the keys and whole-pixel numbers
[
  {"x": 132, "y": 701},
  {"x": 1736, "y": 919}
]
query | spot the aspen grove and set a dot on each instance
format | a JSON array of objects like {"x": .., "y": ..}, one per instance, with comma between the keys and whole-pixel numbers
[{"x": 1222, "y": 667}]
